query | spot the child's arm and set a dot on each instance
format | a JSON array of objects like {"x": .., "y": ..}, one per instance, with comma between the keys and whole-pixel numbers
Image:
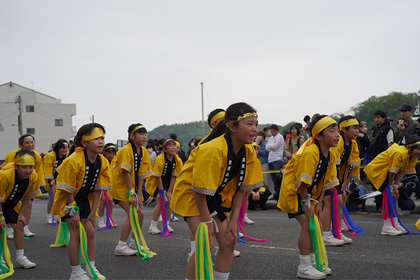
[
  {"x": 346, "y": 181},
  {"x": 129, "y": 184},
  {"x": 92, "y": 216},
  {"x": 201, "y": 203},
  {"x": 75, "y": 219},
  {"x": 140, "y": 194},
  {"x": 303, "y": 191},
  {"x": 171, "y": 187},
  {"x": 21, "y": 217}
]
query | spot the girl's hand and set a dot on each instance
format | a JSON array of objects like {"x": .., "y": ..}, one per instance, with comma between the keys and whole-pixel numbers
[
  {"x": 255, "y": 196},
  {"x": 168, "y": 196},
  {"x": 210, "y": 227},
  {"x": 232, "y": 228},
  {"x": 309, "y": 212},
  {"x": 395, "y": 193},
  {"x": 75, "y": 220},
  {"x": 134, "y": 201}
]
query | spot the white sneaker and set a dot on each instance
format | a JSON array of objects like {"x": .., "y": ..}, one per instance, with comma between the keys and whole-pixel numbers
[
  {"x": 344, "y": 226},
  {"x": 28, "y": 232},
  {"x": 241, "y": 235},
  {"x": 310, "y": 272},
  {"x": 174, "y": 219},
  {"x": 327, "y": 271},
  {"x": 89, "y": 273},
  {"x": 235, "y": 253},
  {"x": 3, "y": 261},
  {"x": 332, "y": 241},
  {"x": 154, "y": 230},
  {"x": 124, "y": 251},
  {"x": 388, "y": 229},
  {"x": 101, "y": 223},
  {"x": 80, "y": 275},
  {"x": 160, "y": 218},
  {"x": 399, "y": 226},
  {"x": 248, "y": 221},
  {"x": 170, "y": 229},
  {"x": 11, "y": 234},
  {"x": 132, "y": 245},
  {"x": 346, "y": 239},
  {"x": 24, "y": 262},
  {"x": 49, "y": 219}
]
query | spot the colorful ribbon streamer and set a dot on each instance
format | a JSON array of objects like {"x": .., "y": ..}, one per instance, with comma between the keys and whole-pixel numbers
[
  {"x": 109, "y": 221},
  {"x": 249, "y": 237},
  {"x": 7, "y": 271},
  {"x": 203, "y": 263},
  {"x": 318, "y": 244},
  {"x": 135, "y": 227},
  {"x": 349, "y": 222},
  {"x": 83, "y": 250},
  {"x": 391, "y": 209},
  {"x": 336, "y": 229},
  {"x": 165, "y": 230},
  {"x": 62, "y": 238},
  {"x": 242, "y": 211},
  {"x": 239, "y": 239}
]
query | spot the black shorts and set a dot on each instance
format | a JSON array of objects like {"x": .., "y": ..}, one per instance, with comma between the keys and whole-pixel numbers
[
  {"x": 300, "y": 211},
  {"x": 10, "y": 215},
  {"x": 338, "y": 188},
  {"x": 84, "y": 209},
  {"x": 214, "y": 204}
]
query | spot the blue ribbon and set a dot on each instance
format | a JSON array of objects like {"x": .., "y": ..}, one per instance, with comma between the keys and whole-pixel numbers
[
  {"x": 350, "y": 222},
  {"x": 239, "y": 239}
]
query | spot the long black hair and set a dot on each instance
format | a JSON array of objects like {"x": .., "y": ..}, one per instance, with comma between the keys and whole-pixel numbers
[{"x": 60, "y": 144}]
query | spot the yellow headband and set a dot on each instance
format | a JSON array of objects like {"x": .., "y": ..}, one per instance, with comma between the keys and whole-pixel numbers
[
  {"x": 244, "y": 116},
  {"x": 96, "y": 133},
  {"x": 413, "y": 144},
  {"x": 348, "y": 123},
  {"x": 218, "y": 116},
  {"x": 110, "y": 147},
  {"x": 135, "y": 129},
  {"x": 167, "y": 140},
  {"x": 322, "y": 124},
  {"x": 25, "y": 160},
  {"x": 29, "y": 136},
  {"x": 178, "y": 144}
]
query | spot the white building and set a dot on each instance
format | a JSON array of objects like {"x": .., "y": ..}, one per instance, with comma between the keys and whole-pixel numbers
[{"x": 42, "y": 116}]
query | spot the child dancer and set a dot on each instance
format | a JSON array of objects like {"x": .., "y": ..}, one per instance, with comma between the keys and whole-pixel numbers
[
  {"x": 309, "y": 173},
  {"x": 18, "y": 184},
  {"x": 52, "y": 160},
  {"x": 79, "y": 183},
  {"x": 213, "y": 181},
  {"x": 27, "y": 142},
  {"x": 109, "y": 152},
  {"x": 348, "y": 163},
  {"x": 387, "y": 169},
  {"x": 166, "y": 168},
  {"x": 131, "y": 168}
]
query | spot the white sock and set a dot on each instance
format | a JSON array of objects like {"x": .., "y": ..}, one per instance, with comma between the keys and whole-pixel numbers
[
  {"x": 153, "y": 223},
  {"x": 192, "y": 244},
  {"x": 19, "y": 254},
  {"x": 325, "y": 234},
  {"x": 305, "y": 260},
  {"x": 75, "y": 269},
  {"x": 92, "y": 264},
  {"x": 25, "y": 227},
  {"x": 9, "y": 229},
  {"x": 122, "y": 243},
  {"x": 312, "y": 258},
  {"x": 220, "y": 275}
]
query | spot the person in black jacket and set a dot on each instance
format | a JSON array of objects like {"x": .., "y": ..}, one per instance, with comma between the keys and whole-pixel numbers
[{"x": 383, "y": 135}]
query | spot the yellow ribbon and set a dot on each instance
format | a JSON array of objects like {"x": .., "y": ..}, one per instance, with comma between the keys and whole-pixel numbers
[
  {"x": 6, "y": 256},
  {"x": 418, "y": 224},
  {"x": 135, "y": 129},
  {"x": 95, "y": 133},
  {"x": 203, "y": 263},
  {"x": 25, "y": 159},
  {"x": 83, "y": 249},
  {"x": 321, "y": 246},
  {"x": 318, "y": 127},
  {"x": 413, "y": 144},
  {"x": 218, "y": 116},
  {"x": 348, "y": 123},
  {"x": 239, "y": 118}
]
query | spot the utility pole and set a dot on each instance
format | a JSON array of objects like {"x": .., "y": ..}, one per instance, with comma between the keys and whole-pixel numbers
[
  {"x": 202, "y": 109},
  {"x": 19, "y": 101}
]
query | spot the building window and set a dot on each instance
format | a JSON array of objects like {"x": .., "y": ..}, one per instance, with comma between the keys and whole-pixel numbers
[
  {"x": 30, "y": 130},
  {"x": 58, "y": 122},
  {"x": 30, "y": 109}
]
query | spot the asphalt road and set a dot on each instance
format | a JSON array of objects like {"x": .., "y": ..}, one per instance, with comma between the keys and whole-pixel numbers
[{"x": 371, "y": 256}]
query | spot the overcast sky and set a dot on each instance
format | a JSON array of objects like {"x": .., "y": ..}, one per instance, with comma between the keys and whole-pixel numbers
[{"x": 143, "y": 61}]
